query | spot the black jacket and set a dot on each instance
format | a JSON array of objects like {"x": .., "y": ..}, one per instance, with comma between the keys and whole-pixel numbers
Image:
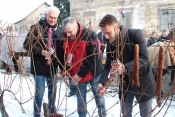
[
  {"x": 36, "y": 41},
  {"x": 162, "y": 39},
  {"x": 93, "y": 62},
  {"x": 147, "y": 82},
  {"x": 151, "y": 41}
]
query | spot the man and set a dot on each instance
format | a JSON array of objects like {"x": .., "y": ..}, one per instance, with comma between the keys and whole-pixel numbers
[
  {"x": 164, "y": 37},
  {"x": 41, "y": 43},
  {"x": 153, "y": 39},
  {"x": 121, "y": 42},
  {"x": 103, "y": 42},
  {"x": 79, "y": 47}
]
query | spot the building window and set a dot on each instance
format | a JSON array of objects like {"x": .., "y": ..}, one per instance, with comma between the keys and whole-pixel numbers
[
  {"x": 167, "y": 17},
  {"x": 126, "y": 19},
  {"x": 42, "y": 15}
]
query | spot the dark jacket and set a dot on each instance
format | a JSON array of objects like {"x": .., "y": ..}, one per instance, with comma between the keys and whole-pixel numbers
[
  {"x": 151, "y": 41},
  {"x": 147, "y": 82},
  {"x": 85, "y": 61},
  {"x": 36, "y": 41},
  {"x": 162, "y": 39}
]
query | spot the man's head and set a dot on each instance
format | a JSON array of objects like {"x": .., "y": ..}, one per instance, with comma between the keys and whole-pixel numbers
[
  {"x": 109, "y": 27},
  {"x": 164, "y": 33},
  {"x": 154, "y": 34},
  {"x": 52, "y": 14},
  {"x": 70, "y": 27}
]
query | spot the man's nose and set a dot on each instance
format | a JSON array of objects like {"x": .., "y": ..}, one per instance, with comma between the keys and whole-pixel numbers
[
  {"x": 68, "y": 34},
  {"x": 52, "y": 19}
]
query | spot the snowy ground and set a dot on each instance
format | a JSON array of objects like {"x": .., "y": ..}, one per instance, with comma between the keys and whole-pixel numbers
[{"x": 23, "y": 89}]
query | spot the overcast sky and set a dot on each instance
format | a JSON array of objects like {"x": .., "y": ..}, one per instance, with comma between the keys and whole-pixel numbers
[{"x": 12, "y": 11}]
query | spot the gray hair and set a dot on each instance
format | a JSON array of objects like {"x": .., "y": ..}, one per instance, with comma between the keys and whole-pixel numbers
[
  {"x": 52, "y": 8},
  {"x": 68, "y": 21}
]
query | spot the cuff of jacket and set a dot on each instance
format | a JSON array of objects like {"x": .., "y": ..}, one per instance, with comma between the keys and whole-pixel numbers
[{"x": 127, "y": 70}]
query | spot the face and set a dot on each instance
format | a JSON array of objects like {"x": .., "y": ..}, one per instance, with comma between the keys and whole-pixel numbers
[
  {"x": 154, "y": 35},
  {"x": 71, "y": 31},
  {"x": 164, "y": 34},
  {"x": 52, "y": 17},
  {"x": 110, "y": 32}
]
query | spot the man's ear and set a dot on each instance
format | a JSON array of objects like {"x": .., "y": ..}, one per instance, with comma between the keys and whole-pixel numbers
[{"x": 116, "y": 27}]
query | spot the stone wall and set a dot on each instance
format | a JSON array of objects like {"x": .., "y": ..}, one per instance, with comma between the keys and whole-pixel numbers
[{"x": 145, "y": 14}]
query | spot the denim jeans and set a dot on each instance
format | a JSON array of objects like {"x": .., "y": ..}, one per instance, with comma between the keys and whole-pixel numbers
[
  {"x": 39, "y": 92},
  {"x": 145, "y": 107},
  {"x": 72, "y": 87},
  {"x": 81, "y": 98}
]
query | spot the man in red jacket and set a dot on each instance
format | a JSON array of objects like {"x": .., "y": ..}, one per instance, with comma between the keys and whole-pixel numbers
[{"x": 80, "y": 49}]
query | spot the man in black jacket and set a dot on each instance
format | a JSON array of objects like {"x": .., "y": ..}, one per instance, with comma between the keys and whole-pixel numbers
[
  {"x": 163, "y": 36},
  {"x": 153, "y": 39},
  {"x": 121, "y": 48},
  {"x": 42, "y": 45}
]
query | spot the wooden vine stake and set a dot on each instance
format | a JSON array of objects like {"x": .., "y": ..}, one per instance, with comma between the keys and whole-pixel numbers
[
  {"x": 159, "y": 75},
  {"x": 135, "y": 76}
]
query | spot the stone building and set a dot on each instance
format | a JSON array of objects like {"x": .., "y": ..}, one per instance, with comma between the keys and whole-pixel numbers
[
  {"x": 148, "y": 15},
  {"x": 25, "y": 23}
]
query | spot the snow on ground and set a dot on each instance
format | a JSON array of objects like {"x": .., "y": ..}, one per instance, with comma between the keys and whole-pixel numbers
[{"x": 23, "y": 88}]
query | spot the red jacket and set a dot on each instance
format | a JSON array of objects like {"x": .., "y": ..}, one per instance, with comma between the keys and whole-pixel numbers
[{"x": 78, "y": 51}]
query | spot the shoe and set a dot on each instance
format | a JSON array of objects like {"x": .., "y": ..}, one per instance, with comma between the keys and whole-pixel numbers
[
  {"x": 70, "y": 94},
  {"x": 56, "y": 115},
  {"x": 170, "y": 84}
]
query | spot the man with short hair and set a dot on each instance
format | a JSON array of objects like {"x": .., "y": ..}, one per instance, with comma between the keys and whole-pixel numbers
[
  {"x": 42, "y": 43},
  {"x": 80, "y": 50},
  {"x": 120, "y": 49},
  {"x": 163, "y": 36},
  {"x": 153, "y": 39}
]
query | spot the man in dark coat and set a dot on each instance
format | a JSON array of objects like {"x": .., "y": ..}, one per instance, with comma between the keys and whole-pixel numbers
[
  {"x": 163, "y": 36},
  {"x": 153, "y": 39},
  {"x": 121, "y": 48},
  {"x": 42, "y": 45}
]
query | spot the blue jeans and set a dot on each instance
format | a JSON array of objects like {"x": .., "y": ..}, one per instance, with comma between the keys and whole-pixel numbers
[
  {"x": 81, "y": 98},
  {"x": 72, "y": 87},
  {"x": 39, "y": 92},
  {"x": 145, "y": 107}
]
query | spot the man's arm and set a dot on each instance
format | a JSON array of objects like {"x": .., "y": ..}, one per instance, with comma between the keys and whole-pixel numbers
[
  {"x": 149, "y": 43},
  {"x": 32, "y": 43},
  {"x": 91, "y": 54},
  {"x": 139, "y": 39}
]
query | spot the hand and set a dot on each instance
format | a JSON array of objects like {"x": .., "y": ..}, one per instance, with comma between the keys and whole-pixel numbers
[
  {"x": 112, "y": 76},
  {"x": 120, "y": 69},
  {"x": 101, "y": 89},
  {"x": 62, "y": 73},
  {"x": 46, "y": 54},
  {"x": 76, "y": 79}
]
